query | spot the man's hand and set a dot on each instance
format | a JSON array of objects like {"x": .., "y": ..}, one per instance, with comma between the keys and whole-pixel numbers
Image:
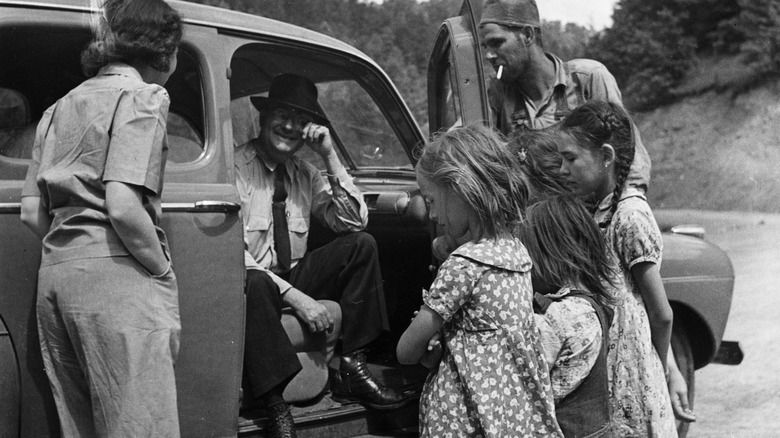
[
  {"x": 308, "y": 310},
  {"x": 318, "y": 138}
]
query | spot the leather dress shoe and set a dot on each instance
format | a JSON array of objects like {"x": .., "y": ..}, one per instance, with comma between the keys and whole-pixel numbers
[
  {"x": 280, "y": 422},
  {"x": 354, "y": 382}
]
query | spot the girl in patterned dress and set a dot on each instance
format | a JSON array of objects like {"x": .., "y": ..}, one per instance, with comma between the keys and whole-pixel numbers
[
  {"x": 597, "y": 148},
  {"x": 491, "y": 379},
  {"x": 570, "y": 274}
]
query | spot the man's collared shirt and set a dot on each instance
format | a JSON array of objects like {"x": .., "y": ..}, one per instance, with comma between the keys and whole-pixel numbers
[
  {"x": 309, "y": 194},
  {"x": 576, "y": 82}
]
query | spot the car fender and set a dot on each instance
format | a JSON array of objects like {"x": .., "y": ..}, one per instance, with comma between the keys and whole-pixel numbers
[{"x": 699, "y": 281}]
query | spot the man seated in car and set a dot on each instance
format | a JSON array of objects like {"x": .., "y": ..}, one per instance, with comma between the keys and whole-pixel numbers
[{"x": 280, "y": 194}]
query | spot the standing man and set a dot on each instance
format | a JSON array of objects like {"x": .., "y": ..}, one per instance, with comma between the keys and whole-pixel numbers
[
  {"x": 534, "y": 89},
  {"x": 280, "y": 193}
]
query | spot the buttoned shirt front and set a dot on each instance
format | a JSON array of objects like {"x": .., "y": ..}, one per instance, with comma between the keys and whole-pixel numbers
[
  {"x": 309, "y": 195},
  {"x": 576, "y": 82}
]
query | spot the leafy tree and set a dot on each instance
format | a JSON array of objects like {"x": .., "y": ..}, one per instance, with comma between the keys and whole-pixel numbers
[
  {"x": 757, "y": 31},
  {"x": 647, "y": 49},
  {"x": 567, "y": 42}
]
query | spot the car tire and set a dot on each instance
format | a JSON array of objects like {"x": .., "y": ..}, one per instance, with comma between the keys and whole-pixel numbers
[{"x": 681, "y": 347}]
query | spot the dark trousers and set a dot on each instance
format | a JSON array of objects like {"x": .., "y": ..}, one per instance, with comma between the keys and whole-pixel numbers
[{"x": 345, "y": 270}]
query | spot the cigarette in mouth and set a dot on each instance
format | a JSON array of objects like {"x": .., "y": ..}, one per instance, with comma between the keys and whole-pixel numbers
[{"x": 500, "y": 71}]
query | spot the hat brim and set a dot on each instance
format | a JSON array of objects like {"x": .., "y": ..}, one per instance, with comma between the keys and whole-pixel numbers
[{"x": 263, "y": 103}]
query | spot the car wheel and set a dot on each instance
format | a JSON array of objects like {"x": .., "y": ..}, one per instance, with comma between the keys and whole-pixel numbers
[{"x": 681, "y": 347}]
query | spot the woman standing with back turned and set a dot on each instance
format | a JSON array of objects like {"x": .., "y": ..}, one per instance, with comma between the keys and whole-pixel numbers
[{"x": 108, "y": 313}]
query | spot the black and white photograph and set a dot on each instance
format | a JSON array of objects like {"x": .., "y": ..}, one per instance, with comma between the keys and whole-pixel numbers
[{"x": 389, "y": 218}]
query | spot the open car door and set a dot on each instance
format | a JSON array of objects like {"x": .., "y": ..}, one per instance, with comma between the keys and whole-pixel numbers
[{"x": 457, "y": 92}]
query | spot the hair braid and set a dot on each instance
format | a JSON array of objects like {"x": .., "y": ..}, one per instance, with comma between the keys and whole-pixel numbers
[
  {"x": 597, "y": 123},
  {"x": 621, "y": 128}
]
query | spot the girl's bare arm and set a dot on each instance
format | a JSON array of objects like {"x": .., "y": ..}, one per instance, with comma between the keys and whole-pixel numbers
[
  {"x": 414, "y": 342},
  {"x": 647, "y": 276}
]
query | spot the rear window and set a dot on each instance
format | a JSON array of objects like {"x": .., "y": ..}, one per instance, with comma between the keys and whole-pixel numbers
[{"x": 42, "y": 63}]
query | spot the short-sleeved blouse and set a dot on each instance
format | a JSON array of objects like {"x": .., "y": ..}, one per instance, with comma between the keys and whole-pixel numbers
[
  {"x": 639, "y": 398},
  {"x": 112, "y": 127},
  {"x": 492, "y": 380}
]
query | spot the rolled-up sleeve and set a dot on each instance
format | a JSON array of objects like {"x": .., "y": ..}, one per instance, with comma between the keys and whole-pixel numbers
[{"x": 337, "y": 210}]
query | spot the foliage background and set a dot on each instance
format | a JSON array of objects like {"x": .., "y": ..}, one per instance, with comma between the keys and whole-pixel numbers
[{"x": 700, "y": 77}]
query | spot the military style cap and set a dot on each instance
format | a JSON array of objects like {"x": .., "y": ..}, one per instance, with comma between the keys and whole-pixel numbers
[{"x": 516, "y": 13}]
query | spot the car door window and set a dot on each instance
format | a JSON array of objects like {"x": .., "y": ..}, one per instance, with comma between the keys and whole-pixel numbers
[
  {"x": 356, "y": 107},
  {"x": 28, "y": 88}
]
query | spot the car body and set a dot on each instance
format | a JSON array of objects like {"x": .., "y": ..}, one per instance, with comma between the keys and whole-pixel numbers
[{"x": 226, "y": 57}]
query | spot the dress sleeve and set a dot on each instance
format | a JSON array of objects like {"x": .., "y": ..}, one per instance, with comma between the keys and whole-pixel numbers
[
  {"x": 138, "y": 135},
  {"x": 452, "y": 287},
  {"x": 638, "y": 236}
]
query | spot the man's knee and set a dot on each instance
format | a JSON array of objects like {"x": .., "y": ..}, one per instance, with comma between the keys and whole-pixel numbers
[
  {"x": 260, "y": 287},
  {"x": 360, "y": 242}
]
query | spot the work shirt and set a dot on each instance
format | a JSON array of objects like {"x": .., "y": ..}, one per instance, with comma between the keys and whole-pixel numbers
[
  {"x": 308, "y": 195},
  {"x": 576, "y": 82},
  {"x": 112, "y": 127}
]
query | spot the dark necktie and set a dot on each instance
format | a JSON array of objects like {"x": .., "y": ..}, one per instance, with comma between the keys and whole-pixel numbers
[{"x": 281, "y": 234}]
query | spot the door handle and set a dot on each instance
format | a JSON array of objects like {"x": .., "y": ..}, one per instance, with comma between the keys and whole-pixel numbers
[
  {"x": 204, "y": 206},
  {"x": 221, "y": 206}
]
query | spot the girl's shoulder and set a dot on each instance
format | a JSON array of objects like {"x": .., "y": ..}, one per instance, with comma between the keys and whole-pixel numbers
[{"x": 505, "y": 253}]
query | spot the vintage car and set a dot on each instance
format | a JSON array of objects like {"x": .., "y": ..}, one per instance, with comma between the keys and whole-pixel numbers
[{"x": 225, "y": 58}]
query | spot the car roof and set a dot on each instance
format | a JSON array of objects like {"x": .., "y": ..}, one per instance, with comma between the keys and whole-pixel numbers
[{"x": 219, "y": 18}]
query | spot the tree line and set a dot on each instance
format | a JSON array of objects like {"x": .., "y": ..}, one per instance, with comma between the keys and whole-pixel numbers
[{"x": 650, "y": 47}]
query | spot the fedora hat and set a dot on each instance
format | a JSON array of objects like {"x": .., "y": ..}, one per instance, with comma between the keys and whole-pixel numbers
[{"x": 292, "y": 91}]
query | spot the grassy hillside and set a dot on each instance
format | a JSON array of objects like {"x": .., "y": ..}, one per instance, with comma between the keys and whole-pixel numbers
[{"x": 718, "y": 147}]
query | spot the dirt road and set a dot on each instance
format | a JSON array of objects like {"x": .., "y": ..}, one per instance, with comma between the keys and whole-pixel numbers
[{"x": 744, "y": 400}]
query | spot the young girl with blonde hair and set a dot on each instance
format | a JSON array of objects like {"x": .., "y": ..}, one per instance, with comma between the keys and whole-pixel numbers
[{"x": 492, "y": 379}]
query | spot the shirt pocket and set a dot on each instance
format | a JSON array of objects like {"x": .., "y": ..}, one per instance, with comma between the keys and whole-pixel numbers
[
  {"x": 298, "y": 227},
  {"x": 257, "y": 233}
]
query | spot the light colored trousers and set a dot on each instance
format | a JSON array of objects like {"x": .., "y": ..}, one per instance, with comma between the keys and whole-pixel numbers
[{"x": 109, "y": 335}]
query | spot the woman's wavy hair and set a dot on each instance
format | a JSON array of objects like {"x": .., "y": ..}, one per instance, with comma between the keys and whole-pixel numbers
[
  {"x": 566, "y": 246},
  {"x": 149, "y": 31},
  {"x": 475, "y": 164},
  {"x": 596, "y": 123},
  {"x": 541, "y": 162}
]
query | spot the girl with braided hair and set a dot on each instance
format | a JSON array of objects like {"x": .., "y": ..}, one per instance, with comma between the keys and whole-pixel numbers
[{"x": 597, "y": 149}]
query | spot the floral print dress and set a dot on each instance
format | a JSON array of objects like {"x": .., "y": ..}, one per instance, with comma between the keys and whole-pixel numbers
[
  {"x": 492, "y": 380},
  {"x": 639, "y": 398}
]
